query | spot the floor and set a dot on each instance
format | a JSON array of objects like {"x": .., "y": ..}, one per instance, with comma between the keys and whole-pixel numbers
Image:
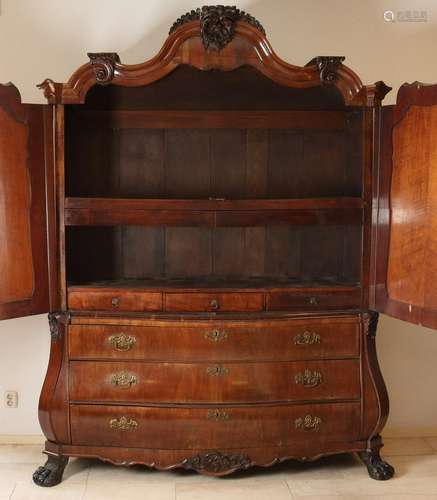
[{"x": 341, "y": 477}]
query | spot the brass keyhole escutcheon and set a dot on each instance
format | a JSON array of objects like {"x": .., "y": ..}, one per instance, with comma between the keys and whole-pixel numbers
[
  {"x": 214, "y": 304},
  {"x": 217, "y": 415},
  {"x": 122, "y": 342},
  {"x": 123, "y": 424},
  {"x": 123, "y": 379},
  {"x": 307, "y": 338},
  {"x": 216, "y": 335},
  {"x": 217, "y": 371},
  {"x": 308, "y": 423},
  {"x": 308, "y": 378},
  {"x": 115, "y": 301}
]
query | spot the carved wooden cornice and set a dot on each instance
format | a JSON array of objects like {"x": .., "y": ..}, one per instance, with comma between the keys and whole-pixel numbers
[{"x": 222, "y": 38}]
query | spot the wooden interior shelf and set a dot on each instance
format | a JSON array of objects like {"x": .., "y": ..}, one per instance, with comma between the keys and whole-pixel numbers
[
  {"x": 211, "y": 212},
  {"x": 220, "y": 283}
]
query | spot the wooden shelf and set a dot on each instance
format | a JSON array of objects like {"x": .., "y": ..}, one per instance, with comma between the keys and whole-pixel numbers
[
  {"x": 266, "y": 284},
  {"x": 212, "y": 212}
]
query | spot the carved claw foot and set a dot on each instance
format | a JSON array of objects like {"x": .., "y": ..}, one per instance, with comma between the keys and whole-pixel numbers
[
  {"x": 378, "y": 469},
  {"x": 50, "y": 474}
]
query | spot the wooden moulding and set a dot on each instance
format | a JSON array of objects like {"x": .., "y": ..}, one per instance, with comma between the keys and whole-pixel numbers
[{"x": 247, "y": 45}]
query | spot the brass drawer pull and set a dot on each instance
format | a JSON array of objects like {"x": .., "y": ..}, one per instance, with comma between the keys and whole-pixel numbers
[
  {"x": 123, "y": 424},
  {"x": 308, "y": 378},
  {"x": 308, "y": 423},
  {"x": 216, "y": 335},
  {"x": 115, "y": 302},
  {"x": 214, "y": 304},
  {"x": 217, "y": 371},
  {"x": 122, "y": 342},
  {"x": 123, "y": 379},
  {"x": 307, "y": 338},
  {"x": 217, "y": 415}
]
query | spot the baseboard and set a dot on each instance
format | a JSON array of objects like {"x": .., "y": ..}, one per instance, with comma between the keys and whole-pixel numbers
[
  {"x": 409, "y": 433},
  {"x": 22, "y": 439}
]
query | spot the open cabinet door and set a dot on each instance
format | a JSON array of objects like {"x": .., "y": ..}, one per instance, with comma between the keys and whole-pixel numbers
[
  {"x": 24, "y": 269},
  {"x": 405, "y": 264}
]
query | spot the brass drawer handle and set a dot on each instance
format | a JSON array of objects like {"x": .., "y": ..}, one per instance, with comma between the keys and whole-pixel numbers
[
  {"x": 308, "y": 423},
  {"x": 123, "y": 424},
  {"x": 216, "y": 335},
  {"x": 308, "y": 378},
  {"x": 123, "y": 379},
  {"x": 122, "y": 342},
  {"x": 307, "y": 338},
  {"x": 115, "y": 302},
  {"x": 214, "y": 304},
  {"x": 217, "y": 371},
  {"x": 313, "y": 301},
  {"x": 217, "y": 415}
]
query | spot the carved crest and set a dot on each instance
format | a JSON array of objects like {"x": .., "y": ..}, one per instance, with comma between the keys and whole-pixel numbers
[
  {"x": 55, "y": 319},
  {"x": 217, "y": 24},
  {"x": 103, "y": 64},
  {"x": 216, "y": 462},
  {"x": 327, "y": 66},
  {"x": 370, "y": 320}
]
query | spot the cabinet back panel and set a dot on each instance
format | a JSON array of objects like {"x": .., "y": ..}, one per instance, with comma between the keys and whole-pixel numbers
[
  {"x": 222, "y": 163},
  {"x": 278, "y": 253}
]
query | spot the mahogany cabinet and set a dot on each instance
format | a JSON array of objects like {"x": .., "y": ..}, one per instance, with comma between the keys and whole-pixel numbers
[{"x": 213, "y": 233}]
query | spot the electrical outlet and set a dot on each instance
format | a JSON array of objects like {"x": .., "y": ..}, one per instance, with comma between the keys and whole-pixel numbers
[{"x": 11, "y": 399}]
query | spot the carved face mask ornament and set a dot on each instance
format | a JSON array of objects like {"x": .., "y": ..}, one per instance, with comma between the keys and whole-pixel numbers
[{"x": 218, "y": 25}]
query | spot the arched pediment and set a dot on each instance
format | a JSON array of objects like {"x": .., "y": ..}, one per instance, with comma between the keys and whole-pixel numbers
[{"x": 221, "y": 38}]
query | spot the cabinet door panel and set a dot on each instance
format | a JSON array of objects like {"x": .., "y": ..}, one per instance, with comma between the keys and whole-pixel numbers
[
  {"x": 410, "y": 290},
  {"x": 24, "y": 287}
]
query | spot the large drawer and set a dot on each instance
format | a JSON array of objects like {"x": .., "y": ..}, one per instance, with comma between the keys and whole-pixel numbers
[
  {"x": 214, "y": 383},
  {"x": 190, "y": 340},
  {"x": 213, "y": 428}
]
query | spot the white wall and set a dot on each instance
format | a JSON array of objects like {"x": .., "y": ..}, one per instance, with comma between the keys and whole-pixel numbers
[{"x": 50, "y": 38}]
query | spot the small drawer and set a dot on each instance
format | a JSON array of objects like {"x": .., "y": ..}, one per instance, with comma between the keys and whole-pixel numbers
[
  {"x": 314, "y": 300},
  {"x": 214, "y": 382},
  {"x": 212, "y": 427},
  {"x": 202, "y": 340},
  {"x": 214, "y": 302},
  {"x": 113, "y": 300}
]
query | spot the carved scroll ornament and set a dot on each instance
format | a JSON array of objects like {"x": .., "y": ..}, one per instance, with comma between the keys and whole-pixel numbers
[
  {"x": 103, "y": 64},
  {"x": 328, "y": 67}
]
